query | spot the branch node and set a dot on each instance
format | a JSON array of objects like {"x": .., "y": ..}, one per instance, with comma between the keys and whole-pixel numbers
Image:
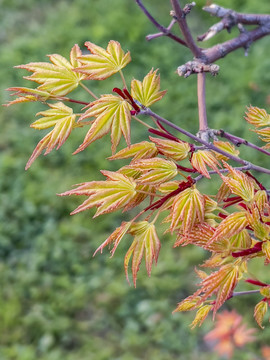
[
  {"x": 187, "y": 8},
  {"x": 196, "y": 67}
]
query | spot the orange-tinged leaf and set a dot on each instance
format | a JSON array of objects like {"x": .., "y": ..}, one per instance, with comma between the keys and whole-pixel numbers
[
  {"x": 155, "y": 171},
  {"x": 231, "y": 225},
  {"x": 101, "y": 63},
  {"x": 175, "y": 150},
  {"x": 225, "y": 146},
  {"x": 201, "y": 158},
  {"x": 108, "y": 196},
  {"x": 148, "y": 91},
  {"x": 260, "y": 311},
  {"x": 112, "y": 113},
  {"x": 57, "y": 77},
  {"x": 221, "y": 283},
  {"x": 265, "y": 136},
  {"x": 239, "y": 183},
  {"x": 201, "y": 315},
  {"x": 115, "y": 238},
  {"x": 256, "y": 116},
  {"x": 142, "y": 150},
  {"x": 145, "y": 243},
  {"x": 187, "y": 209},
  {"x": 261, "y": 230}
]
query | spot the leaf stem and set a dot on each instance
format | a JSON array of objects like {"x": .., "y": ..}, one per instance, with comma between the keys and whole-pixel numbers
[
  {"x": 88, "y": 90},
  {"x": 123, "y": 78}
]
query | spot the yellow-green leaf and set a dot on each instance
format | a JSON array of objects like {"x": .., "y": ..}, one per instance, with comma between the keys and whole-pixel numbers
[
  {"x": 101, "y": 63},
  {"x": 148, "y": 91},
  {"x": 260, "y": 311},
  {"x": 175, "y": 150},
  {"x": 112, "y": 113},
  {"x": 187, "y": 209},
  {"x": 62, "y": 118},
  {"x": 256, "y": 116},
  {"x": 142, "y": 150},
  {"x": 57, "y": 77},
  {"x": 108, "y": 196},
  {"x": 201, "y": 315}
]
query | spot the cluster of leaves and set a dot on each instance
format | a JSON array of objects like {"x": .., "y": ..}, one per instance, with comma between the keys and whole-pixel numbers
[{"x": 233, "y": 225}]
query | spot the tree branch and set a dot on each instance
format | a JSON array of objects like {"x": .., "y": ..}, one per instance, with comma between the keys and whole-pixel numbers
[
  {"x": 180, "y": 16},
  {"x": 249, "y": 165},
  {"x": 160, "y": 27}
]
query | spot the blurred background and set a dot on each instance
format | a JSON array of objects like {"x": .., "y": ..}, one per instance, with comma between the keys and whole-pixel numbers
[{"x": 56, "y": 301}]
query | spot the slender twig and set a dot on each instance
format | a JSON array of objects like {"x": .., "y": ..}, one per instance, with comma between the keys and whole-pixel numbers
[
  {"x": 75, "y": 101},
  {"x": 210, "y": 146},
  {"x": 213, "y": 172},
  {"x": 161, "y": 28},
  {"x": 240, "y": 141},
  {"x": 239, "y": 293},
  {"x": 168, "y": 30},
  {"x": 180, "y": 15}
]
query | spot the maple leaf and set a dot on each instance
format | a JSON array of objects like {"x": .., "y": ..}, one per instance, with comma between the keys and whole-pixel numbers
[
  {"x": 187, "y": 209},
  {"x": 201, "y": 158},
  {"x": 260, "y": 311},
  {"x": 231, "y": 225},
  {"x": 142, "y": 150},
  {"x": 112, "y": 113},
  {"x": 62, "y": 118},
  {"x": 155, "y": 170},
  {"x": 256, "y": 116},
  {"x": 101, "y": 63},
  {"x": 239, "y": 183},
  {"x": 221, "y": 283},
  {"x": 225, "y": 146},
  {"x": 145, "y": 242},
  {"x": 229, "y": 333},
  {"x": 115, "y": 238},
  {"x": 201, "y": 315},
  {"x": 108, "y": 196},
  {"x": 176, "y": 150},
  {"x": 265, "y": 136},
  {"x": 28, "y": 95},
  {"x": 148, "y": 91},
  {"x": 57, "y": 77}
]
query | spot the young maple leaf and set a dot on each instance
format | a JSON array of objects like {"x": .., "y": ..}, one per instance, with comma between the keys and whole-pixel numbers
[
  {"x": 225, "y": 146},
  {"x": 231, "y": 225},
  {"x": 62, "y": 118},
  {"x": 201, "y": 158},
  {"x": 142, "y": 150},
  {"x": 175, "y": 150},
  {"x": 115, "y": 238},
  {"x": 28, "y": 95},
  {"x": 265, "y": 136},
  {"x": 101, "y": 63},
  {"x": 145, "y": 243},
  {"x": 221, "y": 283},
  {"x": 108, "y": 196},
  {"x": 155, "y": 171},
  {"x": 112, "y": 113},
  {"x": 187, "y": 209},
  {"x": 260, "y": 311},
  {"x": 258, "y": 117},
  {"x": 201, "y": 315},
  {"x": 229, "y": 333},
  {"x": 57, "y": 78},
  {"x": 148, "y": 91},
  {"x": 239, "y": 183}
]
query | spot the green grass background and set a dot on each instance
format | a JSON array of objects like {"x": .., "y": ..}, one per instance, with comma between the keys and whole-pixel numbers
[{"x": 56, "y": 301}]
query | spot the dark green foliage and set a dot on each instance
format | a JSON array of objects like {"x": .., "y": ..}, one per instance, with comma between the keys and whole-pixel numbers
[{"x": 56, "y": 302}]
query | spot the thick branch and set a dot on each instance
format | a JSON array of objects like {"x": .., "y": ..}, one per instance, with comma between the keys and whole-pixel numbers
[
  {"x": 160, "y": 27},
  {"x": 220, "y": 50}
]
